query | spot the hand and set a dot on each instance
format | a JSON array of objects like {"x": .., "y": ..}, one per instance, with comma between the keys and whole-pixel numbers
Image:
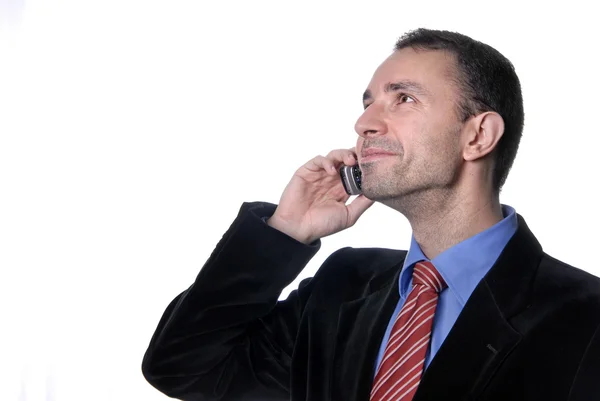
[{"x": 313, "y": 204}]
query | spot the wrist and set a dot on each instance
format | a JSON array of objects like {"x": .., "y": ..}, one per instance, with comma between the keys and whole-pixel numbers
[{"x": 286, "y": 228}]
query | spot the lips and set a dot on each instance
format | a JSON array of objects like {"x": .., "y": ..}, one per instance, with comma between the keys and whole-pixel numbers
[
  {"x": 375, "y": 151},
  {"x": 372, "y": 154}
]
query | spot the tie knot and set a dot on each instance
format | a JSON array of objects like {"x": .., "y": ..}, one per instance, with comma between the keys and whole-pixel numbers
[{"x": 426, "y": 274}]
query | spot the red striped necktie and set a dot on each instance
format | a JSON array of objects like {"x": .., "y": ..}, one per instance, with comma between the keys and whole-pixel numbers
[{"x": 401, "y": 367}]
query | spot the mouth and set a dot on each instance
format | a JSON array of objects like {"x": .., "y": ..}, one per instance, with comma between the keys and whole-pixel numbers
[
  {"x": 373, "y": 154},
  {"x": 374, "y": 157}
]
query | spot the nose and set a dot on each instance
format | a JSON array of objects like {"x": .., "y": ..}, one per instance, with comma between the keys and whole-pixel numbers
[{"x": 370, "y": 123}]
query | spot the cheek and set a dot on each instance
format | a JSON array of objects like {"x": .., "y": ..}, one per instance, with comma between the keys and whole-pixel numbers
[
  {"x": 406, "y": 128},
  {"x": 411, "y": 132},
  {"x": 443, "y": 143},
  {"x": 429, "y": 141}
]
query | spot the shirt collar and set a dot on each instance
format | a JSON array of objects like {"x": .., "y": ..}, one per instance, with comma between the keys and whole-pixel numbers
[{"x": 466, "y": 263}]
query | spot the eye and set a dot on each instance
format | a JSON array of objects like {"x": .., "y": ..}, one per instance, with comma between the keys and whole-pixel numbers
[{"x": 404, "y": 98}]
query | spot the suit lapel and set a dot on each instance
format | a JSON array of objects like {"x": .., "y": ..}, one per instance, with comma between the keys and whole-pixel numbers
[
  {"x": 482, "y": 336},
  {"x": 361, "y": 326},
  {"x": 479, "y": 340}
]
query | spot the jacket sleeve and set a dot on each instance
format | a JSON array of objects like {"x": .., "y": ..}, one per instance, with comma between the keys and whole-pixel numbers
[
  {"x": 227, "y": 337},
  {"x": 586, "y": 386}
]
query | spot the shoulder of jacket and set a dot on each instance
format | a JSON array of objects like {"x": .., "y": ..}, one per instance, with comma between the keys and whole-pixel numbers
[
  {"x": 567, "y": 274},
  {"x": 361, "y": 263}
]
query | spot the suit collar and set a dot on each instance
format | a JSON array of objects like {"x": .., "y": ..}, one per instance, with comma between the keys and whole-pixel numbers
[
  {"x": 482, "y": 336},
  {"x": 464, "y": 265},
  {"x": 510, "y": 278},
  {"x": 479, "y": 341}
]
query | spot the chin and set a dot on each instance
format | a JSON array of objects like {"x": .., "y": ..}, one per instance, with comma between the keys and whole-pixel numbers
[
  {"x": 379, "y": 185},
  {"x": 379, "y": 192}
]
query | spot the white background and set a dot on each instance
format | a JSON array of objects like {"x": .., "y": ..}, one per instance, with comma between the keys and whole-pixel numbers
[{"x": 132, "y": 131}]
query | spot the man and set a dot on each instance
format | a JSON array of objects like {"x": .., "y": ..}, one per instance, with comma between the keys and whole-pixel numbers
[{"x": 474, "y": 310}]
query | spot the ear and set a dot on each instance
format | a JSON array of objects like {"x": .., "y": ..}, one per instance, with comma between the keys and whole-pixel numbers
[{"x": 483, "y": 133}]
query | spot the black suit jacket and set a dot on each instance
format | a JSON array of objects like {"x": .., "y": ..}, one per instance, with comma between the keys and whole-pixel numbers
[{"x": 529, "y": 331}]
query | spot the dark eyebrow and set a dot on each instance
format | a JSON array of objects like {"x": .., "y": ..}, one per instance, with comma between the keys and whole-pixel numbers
[{"x": 409, "y": 86}]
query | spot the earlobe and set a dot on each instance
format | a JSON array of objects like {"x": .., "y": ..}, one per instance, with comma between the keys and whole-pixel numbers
[{"x": 486, "y": 129}]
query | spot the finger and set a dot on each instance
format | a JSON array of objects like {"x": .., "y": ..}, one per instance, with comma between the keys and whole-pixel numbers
[
  {"x": 353, "y": 151},
  {"x": 342, "y": 155},
  {"x": 321, "y": 163},
  {"x": 357, "y": 207},
  {"x": 345, "y": 156}
]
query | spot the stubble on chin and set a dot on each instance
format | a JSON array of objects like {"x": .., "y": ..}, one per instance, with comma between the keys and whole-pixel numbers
[{"x": 382, "y": 182}]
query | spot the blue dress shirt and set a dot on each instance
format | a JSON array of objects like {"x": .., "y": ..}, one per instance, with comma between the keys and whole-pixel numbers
[{"x": 462, "y": 267}]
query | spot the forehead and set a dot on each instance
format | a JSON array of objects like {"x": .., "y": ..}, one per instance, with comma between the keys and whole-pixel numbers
[{"x": 432, "y": 69}]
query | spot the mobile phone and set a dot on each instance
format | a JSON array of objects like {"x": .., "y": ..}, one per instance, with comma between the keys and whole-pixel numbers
[{"x": 351, "y": 179}]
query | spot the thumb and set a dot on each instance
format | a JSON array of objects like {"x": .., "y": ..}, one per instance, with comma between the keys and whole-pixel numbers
[{"x": 357, "y": 207}]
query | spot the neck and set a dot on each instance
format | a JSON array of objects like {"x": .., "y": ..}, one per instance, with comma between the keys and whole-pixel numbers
[{"x": 441, "y": 219}]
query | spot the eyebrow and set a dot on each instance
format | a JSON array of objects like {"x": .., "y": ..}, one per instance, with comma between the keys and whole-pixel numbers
[{"x": 409, "y": 86}]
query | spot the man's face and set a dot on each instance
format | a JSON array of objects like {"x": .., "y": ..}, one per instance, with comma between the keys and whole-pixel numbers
[{"x": 411, "y": 112}]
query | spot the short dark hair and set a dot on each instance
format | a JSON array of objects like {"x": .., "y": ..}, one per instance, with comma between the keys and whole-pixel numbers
[{"x": 489, "y": 82}]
